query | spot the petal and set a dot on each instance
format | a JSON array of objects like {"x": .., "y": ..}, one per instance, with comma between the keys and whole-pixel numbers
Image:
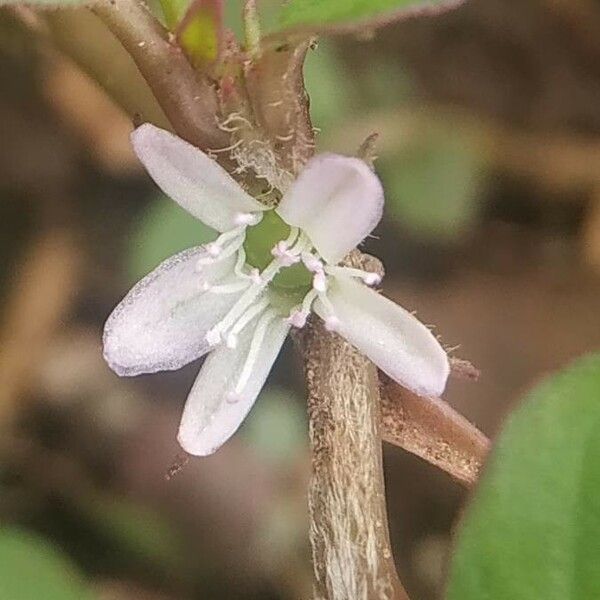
[
  {"x": 188, "y": 176},
  {"x": 160, "y": 325},
  {"x": 337, "y": 201},
  {"x": 397, "y": 342},
  {"x": 211, "y": 417}
]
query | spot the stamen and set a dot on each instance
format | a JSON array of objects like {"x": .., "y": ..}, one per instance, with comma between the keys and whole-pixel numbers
[
  {"x": 213, "y": 249},
  {"x": 255, "y": 344},
  {"x": 299, "y": 315},
  {"x": 292, "y": 237},
  {"x": 247, "y": 298},
  {"x": 218, "y": 250},
  {"x": 369, "y": 277},
  {"x": 238, "y": 269},
  {"x": 261, "y": 281},
  {"x": 240, "y": 263},
  {"x": 331, "y": 321},
  {"x": 312, "y": 262},
  {"x": 241, "y": 323},
  {"x": 285, "y": 250},
  {"x": 284, "y": 255},
  {"x": 256, "y": 276},
  {"x": 223, "y": 253},
  {"x": 213, "y": 336},
  {"x": 308, "y": 300},
  {"x": 229, "y": 288},
  {"x": 247, "y": 219},
  {"x": 297, "y": 318},
  {"x": 320, "y": 282}
]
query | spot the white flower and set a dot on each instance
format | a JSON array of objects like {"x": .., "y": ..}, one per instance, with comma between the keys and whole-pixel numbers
[{"x": 238, "y": 296}]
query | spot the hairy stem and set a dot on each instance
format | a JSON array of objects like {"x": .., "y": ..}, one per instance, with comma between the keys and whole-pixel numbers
[{"x": 352, "y": 558}]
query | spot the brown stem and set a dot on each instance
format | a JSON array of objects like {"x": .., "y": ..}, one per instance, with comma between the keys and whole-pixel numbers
[
  {"x": 431, "y": 429},
  {"x": 349, "y": 535},
  {"x": 188, "y": 100}
]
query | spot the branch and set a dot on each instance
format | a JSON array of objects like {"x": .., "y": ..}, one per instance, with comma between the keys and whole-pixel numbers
[
  {"x": 431, "y": 429},
  {"x": 188, "y": 100},
  {"x": 86, "y": 40}
]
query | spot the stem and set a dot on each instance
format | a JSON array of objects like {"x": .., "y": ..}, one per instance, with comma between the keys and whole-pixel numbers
[
  {"x": 188, "y": 100},
  {"x": 352, "y": 558},
  {"x": 431, "y": 429},
  {"x": 251, "y": 28}
]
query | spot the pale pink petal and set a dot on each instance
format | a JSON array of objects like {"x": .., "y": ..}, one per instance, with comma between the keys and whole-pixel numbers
[
  {"x": 191, "y": 178},
  {"x": 397, "y": 342},
  {"x": 337, "y": 201},
  {"x": 214, "y": 409},
  {"x": 160, "y": 325}
]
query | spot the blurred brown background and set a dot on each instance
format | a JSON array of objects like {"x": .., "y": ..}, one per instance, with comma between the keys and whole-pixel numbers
[{"x": 490, "y": 153}]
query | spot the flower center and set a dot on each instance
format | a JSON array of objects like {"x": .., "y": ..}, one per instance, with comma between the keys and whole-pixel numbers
[{"x": 259, "y": 243}]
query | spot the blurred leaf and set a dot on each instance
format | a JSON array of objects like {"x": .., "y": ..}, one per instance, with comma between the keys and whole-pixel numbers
[
  {"x": 268, "y": 11},
  {"x": 432, "y": 185},
  {"x": 43, "y": 3},
  {"x": 533, "y": 530},
  {"x": 32, "y": 569},
  {"x": 328, "y": 87},
  {"x": 354, "y": 15},
  {"x": 173, "y": 10},
  {"x": 276, "y": 427},
  {"x": 200, "y": 31},
  {"x": 164, "y": 230},
  {"x": 142, "y": 533}
]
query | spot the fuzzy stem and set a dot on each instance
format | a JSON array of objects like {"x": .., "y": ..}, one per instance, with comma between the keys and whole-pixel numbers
[{"x": 352, "y": 558}]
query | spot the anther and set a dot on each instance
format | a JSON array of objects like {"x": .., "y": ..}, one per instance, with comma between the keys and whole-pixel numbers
[
  {"x": 255, "y": 276},
  {"x": 282, "y": 252},
  {"x": 246, "y": 219},
  {"x": 311, "y": 262},
  {"x": 320, "y": 282},
  {"x": 332, "y": 323},
  {"x": 371, "y": 279},
  {"x": 213, "y": 249},
  {"x": 213, "y": 337},
  {"x": 298, "y": 319},
  {"x": 231, "y": 341}
]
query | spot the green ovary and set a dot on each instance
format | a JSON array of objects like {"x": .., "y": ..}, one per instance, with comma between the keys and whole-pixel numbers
[{"x": 260, "y": 239}]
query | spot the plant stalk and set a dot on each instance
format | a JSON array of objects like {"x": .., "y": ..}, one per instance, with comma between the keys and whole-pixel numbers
[{"x": 352, "y": 557}]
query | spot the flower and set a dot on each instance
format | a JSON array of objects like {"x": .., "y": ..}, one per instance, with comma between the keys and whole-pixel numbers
[{"x": 237, "y": 297}]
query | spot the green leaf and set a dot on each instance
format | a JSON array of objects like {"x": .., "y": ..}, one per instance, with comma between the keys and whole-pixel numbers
[
  {"x": 276, "y": 427},
  {"x": 533, "y": 530},
  {"x": 351, "y": 15},
  {"x": 200, "y": 31},
  {"x": 173, "y": 11},
  {"x": 32, "y": 569},
  {"x": 164, "y": 230},
  {"x": 142, "y": 534},
  {"x": 432, "y": 185},
  {"x": 328, "y": 87}
]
